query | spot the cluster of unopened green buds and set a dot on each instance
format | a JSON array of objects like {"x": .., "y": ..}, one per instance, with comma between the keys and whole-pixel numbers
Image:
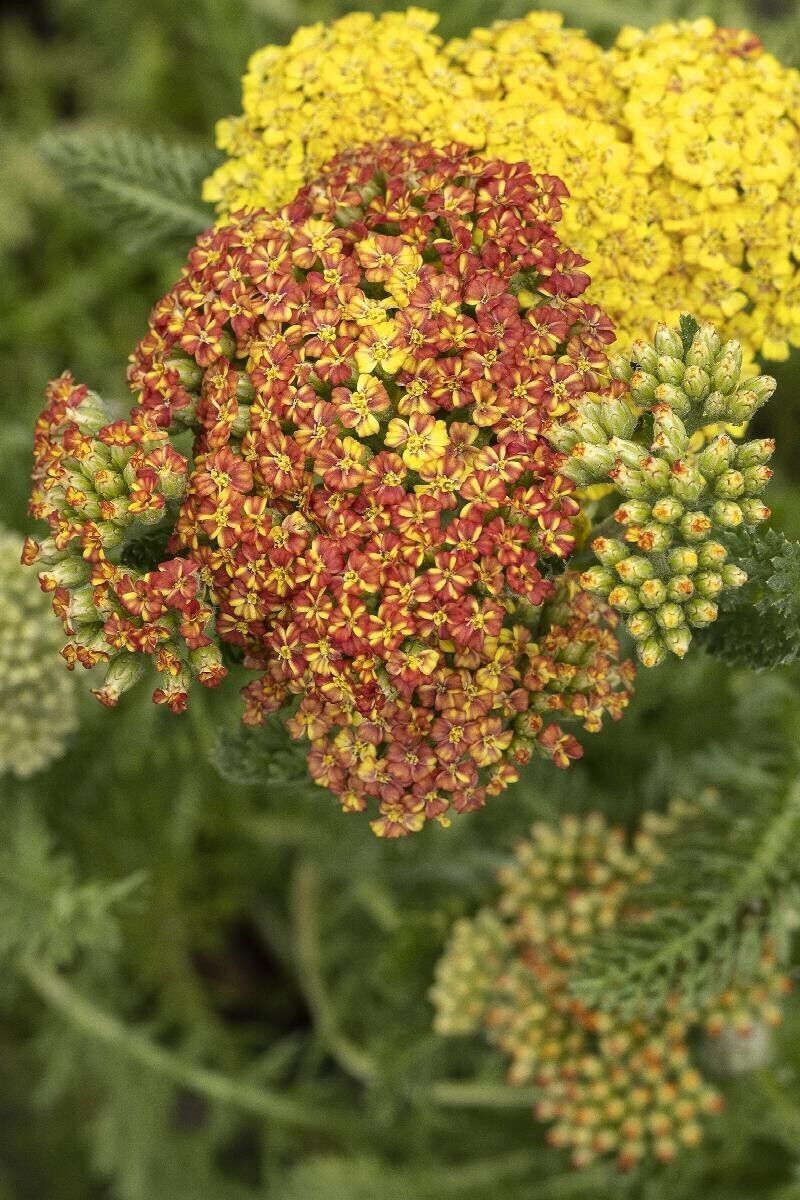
[{"x": 668, "y": 445}]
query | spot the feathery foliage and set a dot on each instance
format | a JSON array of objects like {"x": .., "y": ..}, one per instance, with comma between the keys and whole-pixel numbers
[
  {"x": 759, "y": 626},
  {"x": 730, "y": 874},
  {"x": 145, "y": 188}
]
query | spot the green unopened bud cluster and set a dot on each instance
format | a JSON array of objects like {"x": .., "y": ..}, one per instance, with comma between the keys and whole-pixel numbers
[
  {"x": 684, "y": 490},
  {"x": 37, "y": 698}
]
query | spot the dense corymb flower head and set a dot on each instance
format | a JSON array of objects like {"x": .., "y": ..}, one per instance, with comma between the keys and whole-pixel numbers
[
  {"x": 680, "y": 147},
  {"x": 609, "y": 1083},
  {"x": 371, "y": 507}
]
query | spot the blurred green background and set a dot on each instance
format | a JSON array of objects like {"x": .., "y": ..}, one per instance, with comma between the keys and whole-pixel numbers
[{"x": 265, "y": 920}]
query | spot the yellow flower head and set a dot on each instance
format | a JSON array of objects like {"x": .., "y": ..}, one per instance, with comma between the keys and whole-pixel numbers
[{"x": 680, "y": 147}]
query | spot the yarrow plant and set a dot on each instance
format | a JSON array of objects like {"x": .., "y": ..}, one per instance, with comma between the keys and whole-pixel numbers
[
  {"x": 371, "y": 510},
  {"x": 617, "y": 1084},
  {"x": 679, "y": 147}
]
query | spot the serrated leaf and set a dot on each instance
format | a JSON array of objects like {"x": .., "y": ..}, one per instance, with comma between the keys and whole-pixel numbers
[
  {"x": 729, "y": 876},
  {"x": 759, "y": 624},
  {"x": 144, "y": 188}
]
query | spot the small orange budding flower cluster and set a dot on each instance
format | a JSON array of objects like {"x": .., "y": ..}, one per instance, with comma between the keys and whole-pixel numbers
[
  {"x": 610, "y": 1083},
  {"x": 371, "y": 508},
  {"x": 103, "y": 486}
]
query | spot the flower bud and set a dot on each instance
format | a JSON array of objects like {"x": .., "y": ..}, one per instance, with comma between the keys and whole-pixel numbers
[
  {"x": 700, "y": 612},
  {"x": 190, "y": 375},
  {"x": 123, "y": 673},
  {"x": 620, "y": 367},
  {"x": 668, "y": 342},
  {"x": 651, "y": 537},
  {"x": 670, "y": 615},
  {"x": 641, "y": 625},
  {"x": 89, "y": 413},
  {"x": 678, "y": 640},
  {"x": 680, "y": 588},
  {"x": 696, "y": 383},
  {"x": 716, "y": 408},
  {"x": 705, "y": 348},
  {"x": 717, "y": 456},
  {"x": 669, "y": 431},
  {"x": 673, "y": 397},
  {"x": 634, "y": 570},
  {"x": 108, "y": 483},
  {"x": 733, "y": 576},
  {"x": 727, "y": 373},
  {"x": 610, "y": 551},
  {"x": 618, "y": 417},
  {"x": 630, "y": 482},
  {"x": 695, "y": 526},
  {"x": 625, "y": 599},
  {"x": 643, "y": 388},
  {"x": 726, "y": 514},
  {"x": 597, "y": 461},
  {"x": 670, "y": 369},
  {"x": 668, "y": 510},
  {"x": 754, "y": 453},
  {"x": 683, "y": 559},
  {"x": 708, "y": 584},
  {"x": 598, "y": 579},
  {"x": 653, "y": 593},
  {"x": 756, "y": 479},
  {"x": 70, "y": 572},
  {"x": 651, "y": 652},
  {"x": 754, "y": 511},
  {"x": 711, "y": 554},
  {"x": 629, "y": 453},
  {"x": 656, "y": 473},
  {"x": 686, "y": 481},
  {"x": 729, "y": 485},
  {"x": 645, "y": 355},
  {"x": 632, "y": 512}
]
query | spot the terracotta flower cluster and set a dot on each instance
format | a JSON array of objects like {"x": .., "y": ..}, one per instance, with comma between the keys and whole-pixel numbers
[
  {"x": 679, "y": 145},
  {"x": 371, "y": 513},
  {"x": 682, "y": 489},
  {"x": 104, "y": 485},
  {"x": 610, "y": 1085},
  {"x": 372, "y": 505}
]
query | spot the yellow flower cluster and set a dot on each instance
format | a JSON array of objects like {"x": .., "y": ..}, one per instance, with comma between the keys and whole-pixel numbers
[{"x": 680, "y": 147}]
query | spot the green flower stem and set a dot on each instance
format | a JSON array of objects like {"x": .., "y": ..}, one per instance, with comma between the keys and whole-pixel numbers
[
  {"x": 351, "y": 1058},
  {"x": 85, "y": 1016},
  {"x": 305, "y": 903}
]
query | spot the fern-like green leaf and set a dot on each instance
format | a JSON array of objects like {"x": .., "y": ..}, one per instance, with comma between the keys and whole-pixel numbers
[
  {"x": 44, "y": 911},
  {"x": 730, "y": 875},
  {"x": 759, "y": 624},
  {"x": 144, "y": 188}
]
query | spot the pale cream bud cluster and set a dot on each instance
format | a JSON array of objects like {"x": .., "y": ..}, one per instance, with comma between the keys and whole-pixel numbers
[
  {"x": 37, "y": 697},
  {"x": 609, "y": 1083}
]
